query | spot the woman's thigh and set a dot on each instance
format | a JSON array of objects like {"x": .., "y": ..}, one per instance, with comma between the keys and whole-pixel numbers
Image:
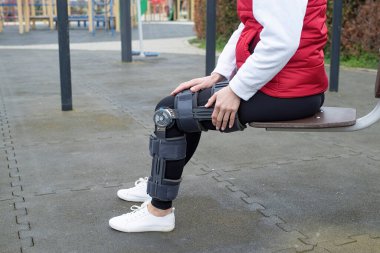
[{"x": 262, "y": 107}]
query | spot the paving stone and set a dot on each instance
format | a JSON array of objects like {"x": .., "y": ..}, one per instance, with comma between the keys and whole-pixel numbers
[
  {"x": 361, "y": 244},
  {"x": 324, "y": 200},
  {"x": 9, "y": 241},
  {"x": 71, "y": 163}
]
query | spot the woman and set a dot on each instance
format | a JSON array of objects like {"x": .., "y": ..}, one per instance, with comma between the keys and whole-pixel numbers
[{"x": 274, "y": 64}]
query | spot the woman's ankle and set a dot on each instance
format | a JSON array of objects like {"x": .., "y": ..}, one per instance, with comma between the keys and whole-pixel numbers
[{"x": 158, "y": 212}]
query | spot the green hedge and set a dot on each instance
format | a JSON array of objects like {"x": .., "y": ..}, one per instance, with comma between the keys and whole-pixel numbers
[{"x": 227, "y": 20}]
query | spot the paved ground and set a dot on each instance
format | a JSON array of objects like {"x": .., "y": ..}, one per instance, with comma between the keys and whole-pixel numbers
[{"x": 255, "y": 191}]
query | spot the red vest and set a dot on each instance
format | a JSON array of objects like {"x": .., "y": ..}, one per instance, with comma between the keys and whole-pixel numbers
[{"x": 304, "y": 74}]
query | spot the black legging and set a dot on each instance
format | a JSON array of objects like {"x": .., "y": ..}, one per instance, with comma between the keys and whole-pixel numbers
[{"x": 260, "y": 107}]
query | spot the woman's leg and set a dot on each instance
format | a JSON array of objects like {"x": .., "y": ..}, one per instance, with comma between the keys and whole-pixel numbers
[
  {"x": 174, "y": 169},
  {"x": 260, "y": 107}
]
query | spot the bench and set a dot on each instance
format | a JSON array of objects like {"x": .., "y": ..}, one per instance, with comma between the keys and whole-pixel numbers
[{"x": 329, "y": 119}]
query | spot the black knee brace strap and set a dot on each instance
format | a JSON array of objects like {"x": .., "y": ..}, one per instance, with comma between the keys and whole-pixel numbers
[
  {"x": 163, "y": 150},
  {"x": 189, "y": 114},
  {"x": 184, "y": 103}
]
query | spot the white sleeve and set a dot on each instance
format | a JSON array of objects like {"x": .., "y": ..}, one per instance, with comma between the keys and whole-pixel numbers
[
  {"x": 282, "y": 23},
  {"x": 227, "y": 61}
]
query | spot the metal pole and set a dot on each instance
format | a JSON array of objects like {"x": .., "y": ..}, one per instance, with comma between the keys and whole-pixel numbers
[
  {"x": 140, "y": 28},
  {"x": 335, "y": 48},
  {"x": 64, "y": 55},
  {"x": 125, "y": 30},
  {"x": 210, "y": 36}
]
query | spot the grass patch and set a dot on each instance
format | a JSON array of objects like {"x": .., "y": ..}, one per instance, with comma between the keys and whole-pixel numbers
[
  {"x": 365, "y": 60},
  {"x": 201, "y": 43}
]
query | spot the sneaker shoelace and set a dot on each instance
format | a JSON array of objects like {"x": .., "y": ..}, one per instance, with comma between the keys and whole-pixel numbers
[
  {"x": 141, "y": 181},
  {"x": 136, "y": 211}
]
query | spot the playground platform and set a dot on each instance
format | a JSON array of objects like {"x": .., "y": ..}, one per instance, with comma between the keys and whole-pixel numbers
[{"x": 252, "y": 191}]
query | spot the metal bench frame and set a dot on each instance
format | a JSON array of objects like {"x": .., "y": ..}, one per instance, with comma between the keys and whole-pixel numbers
[{"x": 329, "y": 119}]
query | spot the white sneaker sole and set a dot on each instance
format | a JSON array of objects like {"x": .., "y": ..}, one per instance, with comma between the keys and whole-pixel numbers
[
  {"x": 134, "y": 198},
  {"x": 143, "y": 229}
]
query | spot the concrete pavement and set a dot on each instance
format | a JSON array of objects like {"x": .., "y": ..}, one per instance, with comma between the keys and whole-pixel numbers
[{"x": 253, "y": 191}]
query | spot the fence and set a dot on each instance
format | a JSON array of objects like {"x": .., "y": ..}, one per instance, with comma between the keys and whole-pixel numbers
[
  {"x": 91, "y": 13},
  {"x": 25, "y": 13}
]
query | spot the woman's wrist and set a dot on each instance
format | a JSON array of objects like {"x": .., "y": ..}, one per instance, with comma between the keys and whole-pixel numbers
[{"x": 216, "y": 77}]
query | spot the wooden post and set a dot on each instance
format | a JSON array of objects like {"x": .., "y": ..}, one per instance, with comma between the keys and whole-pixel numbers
[
  {"x": 33, "y": 13},
  {"x": 178, "y": 9},
  {"x": 44, "y": 12},
  {"x": 116, "y": 13},
  {"x": 134, "y": 13},
  {"x": 192, "y": 10},
  {"x": 1, "y": 19},
  {"x": 148, "y": 12},
  {"x": 50, "y": 13},
  {"x": 68, "y": 8},
  {"x": 27, "y": 15},
  {"x": 154, "y": 11},
  {"x": 106, "y": 15},
  {"x": 163, "y": 12},
  {"x": 90, "y": 17},
  {"x": 32, "y": 8},
  {"x": 20, "y": 17}
]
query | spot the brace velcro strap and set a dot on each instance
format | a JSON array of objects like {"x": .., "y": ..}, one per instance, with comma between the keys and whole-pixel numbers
[
  {"x": 169, "y": 148},
  {"x": 218, "y": 86},
  {"x": 203, "y": 113},
  {"x": 167, "y": 190},
  {"x": 236, "y": 127},
  {"x": 184, "y": 104}
]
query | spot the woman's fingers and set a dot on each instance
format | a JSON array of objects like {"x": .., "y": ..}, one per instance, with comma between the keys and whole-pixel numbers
[
  {"x": 196, "y": 84},
  {"x": 226, "y": 118},
  {"x": 211, "y": 101},
  {"x": 185, "y": 86},
  {"x": 225, "y": 109},
  {"x": 197, "y": 87},
  {"x": 221, "y": 119},
  {"x": 214, "y": 117},
  {"x": 232, "y": 119}
]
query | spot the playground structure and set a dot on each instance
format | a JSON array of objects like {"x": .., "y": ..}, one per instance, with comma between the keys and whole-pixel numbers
[
  {"x": 162, "y": 10},
  {"x": 25, "y": 13},
  {"x": 92, "y": 13}
]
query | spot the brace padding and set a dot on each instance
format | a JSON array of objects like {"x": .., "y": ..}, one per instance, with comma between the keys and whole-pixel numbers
[
  {"x": 169, "y": 148},
  {"x": 163, "y": 150},
  {"x": 166, "y": 191}
]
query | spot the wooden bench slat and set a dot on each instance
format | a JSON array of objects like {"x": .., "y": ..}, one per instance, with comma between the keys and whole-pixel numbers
[
  {"x": 39, "y": 17},
  {"x": 328, "y": 117}
]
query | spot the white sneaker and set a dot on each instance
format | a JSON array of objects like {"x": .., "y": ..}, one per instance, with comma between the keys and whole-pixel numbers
[
  {"x": 136, "y": 193},
  {"x": 140, "y": 220}
]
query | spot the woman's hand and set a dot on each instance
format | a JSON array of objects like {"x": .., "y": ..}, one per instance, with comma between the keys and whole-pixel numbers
[
  {"x": 198, "y": 83},
  {"x": 226, "y": 106}
]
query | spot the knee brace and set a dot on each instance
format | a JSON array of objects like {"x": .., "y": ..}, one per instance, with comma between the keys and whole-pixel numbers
[
  {"x": 189, "y": 115},
  {"x": 162, "y": 150}
]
